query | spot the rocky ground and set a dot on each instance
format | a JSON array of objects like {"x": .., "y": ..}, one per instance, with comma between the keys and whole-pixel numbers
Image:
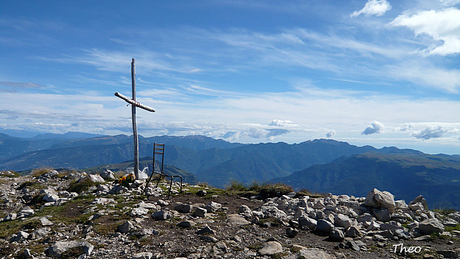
[{"x": 51, "y": 214}]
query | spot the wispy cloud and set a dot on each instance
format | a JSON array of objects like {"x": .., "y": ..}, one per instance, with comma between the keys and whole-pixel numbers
[
  {"x": 373, "y": 7},
  {"x": 21, "y": 85}
]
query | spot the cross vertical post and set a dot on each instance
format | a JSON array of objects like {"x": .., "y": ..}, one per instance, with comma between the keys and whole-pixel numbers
[
  {"x": 134, "y": 104},
  {"x": 133, "y": 109}
]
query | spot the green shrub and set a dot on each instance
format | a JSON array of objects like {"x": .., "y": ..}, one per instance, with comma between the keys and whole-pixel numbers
[
  {"x": 236, "y": 186},
  {"x": 81, "y": 185},
  {"x": 275, "y": 190}
]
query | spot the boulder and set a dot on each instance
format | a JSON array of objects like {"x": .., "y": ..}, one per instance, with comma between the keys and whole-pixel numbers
[
  {"x": 386, "y": 200},
  {"x": 307, "y": 223},
  {"x": 382, "y": 214},
  {"x": 419, "y": 199},
  {"x": 271, "y": 248},
  {"x": 341, "y": 220},
  {"x": 324, "y": 226},
  {"x": 370, "y": 199},
  {"x": 336, "y": 235},
  {"x": 429, "y": 226}
]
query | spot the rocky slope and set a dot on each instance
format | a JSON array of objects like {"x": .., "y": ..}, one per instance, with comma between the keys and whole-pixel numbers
[{"x": 51, "y": 214}]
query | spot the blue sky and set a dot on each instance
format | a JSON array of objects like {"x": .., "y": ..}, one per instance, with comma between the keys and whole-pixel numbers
[{"x": 368, "y": 72}]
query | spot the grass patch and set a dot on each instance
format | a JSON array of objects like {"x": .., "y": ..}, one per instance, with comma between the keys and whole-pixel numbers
[
  {"x": 444, "y": 212},
  {"x": 7, "y": 228},
  {"x": 9, "y": 174},
  {"x": 33, "y": 185},
  {"x": 40, "y": 172}
]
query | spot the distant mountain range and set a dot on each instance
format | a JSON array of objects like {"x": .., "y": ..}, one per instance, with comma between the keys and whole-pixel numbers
[
  {"x": 319, "y": 165},
  {"x": 436, "y": 177}
]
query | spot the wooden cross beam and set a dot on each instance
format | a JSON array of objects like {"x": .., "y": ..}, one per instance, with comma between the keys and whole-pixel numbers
[{"x": 134, "y": 104}]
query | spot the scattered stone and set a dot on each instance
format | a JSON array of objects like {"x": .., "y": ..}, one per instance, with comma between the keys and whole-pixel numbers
[
  {"x": 11, "y": 216},
  {"x": 448, "y": 253},
  {"x": 200, "y": 212},
  {"x": 245, "y": 211},
  {"x": 103, "y": 201},
  {"x": 60, "y": 247},
  {"x": 352, "y": 245},
  {"x": 143, "y": 255},
  {"x": 186, "y": 224},
  {"x": 184, "y": 208},
  {"x": 206, "y": 231},
  {"x": 45, "y": 221},
  {"x": 126, "y": 227},
  {"x": 237, "y": 220},
  {"x": 201, "y": 193},
  {"x": 353, "y": 232},
  {"x": 314, "y": 253},
  {"x": 26, "y": 212},
  {"x": 161, "y": 215},
  {"x": 209, "y": 239},
  {"x": 108, "y": 175},
  {"x": 95, "y": 178},
  {"x": 213, "y": 207},
  {"x": 138, "y": 212},
  {"x": 291, "y": 232}
]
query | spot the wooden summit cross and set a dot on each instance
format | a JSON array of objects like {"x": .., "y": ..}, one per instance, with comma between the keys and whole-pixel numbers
[{"x": 134, "y": 104}]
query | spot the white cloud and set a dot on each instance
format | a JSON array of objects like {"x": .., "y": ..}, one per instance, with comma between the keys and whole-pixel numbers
[
  {"x": 429, "y": 133},
  {"x": 373, "y": 7},
  {"x": 375, "y": 127},
  {"x": 443, "y": 25}
]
